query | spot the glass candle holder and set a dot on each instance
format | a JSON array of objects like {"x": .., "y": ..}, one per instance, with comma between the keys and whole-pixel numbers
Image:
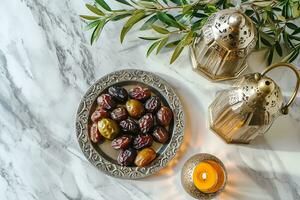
[{"x": 203, "y": 176}]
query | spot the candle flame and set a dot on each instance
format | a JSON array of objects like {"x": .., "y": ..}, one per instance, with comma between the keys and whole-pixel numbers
[{"x": 204, "y": 176}]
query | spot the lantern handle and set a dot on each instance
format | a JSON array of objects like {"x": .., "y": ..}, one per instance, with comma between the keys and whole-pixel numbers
[{"x": 284, "y": 109}]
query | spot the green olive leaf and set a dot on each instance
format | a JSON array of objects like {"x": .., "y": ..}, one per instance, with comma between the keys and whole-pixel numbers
[
  {"x": 277, "y": 9},
  {"x": 265, "y": 42},
  {"x": 270, "y": 56},
  {"x": 187, "y": 8},
  {"x": 162, "y": 43},
  {"x": 200, "y": 15},
  {"x": 167, "y": 19},
  {"x": 172, "y": 44},
  {"x": 292, "y": 55},
  {"x": 176, "y": 52},
  {"x": 266, "y": 39},
  {"x": 178, "y": 2},
  {"x": 296, "y": 31},
  {"x": 97, "y": 31},
  {"x": 94, "y": 9},
  {"x": 263, "y": 3},
  {"x": 186, "y": 40},
  {"x": 119, "y": 17},
  {"x": 124, "y": 2},
  {"x": 137, "y": 16},
  {"x": 278, "y": 48},
  {"x": 295, "y": 37},
  {"x": 92, "y": 25},
  {"x": 165, "y": 1},
  {"x": 160, "y": 29},
  {"x": 147, "y": 4},
  {"x": 291, "y": 26},
  {"x": 148, "y": 23},
  {"x": 149, "y": 38},
  {"x": 87, "y": 17},
  {"x": 103, "y": 4},
  {"x": 152, "y": 47},
  {"x": 199, "y": 24}
]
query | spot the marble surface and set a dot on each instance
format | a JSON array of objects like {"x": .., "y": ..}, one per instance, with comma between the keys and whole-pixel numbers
[{"x": 46, "y": 64}]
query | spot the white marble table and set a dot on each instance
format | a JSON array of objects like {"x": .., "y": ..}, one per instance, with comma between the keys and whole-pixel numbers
[{"x": 46, "y": 64}]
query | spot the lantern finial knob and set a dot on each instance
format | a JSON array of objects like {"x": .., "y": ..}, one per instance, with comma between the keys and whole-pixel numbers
[
  {"x": 236, "y": 20},
  {"x": 266, "y": 85}
]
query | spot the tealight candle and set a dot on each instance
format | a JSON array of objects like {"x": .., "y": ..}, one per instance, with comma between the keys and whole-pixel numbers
[
  {"x": 203, "y": 176},
  {"x": 208, "y": 176}
]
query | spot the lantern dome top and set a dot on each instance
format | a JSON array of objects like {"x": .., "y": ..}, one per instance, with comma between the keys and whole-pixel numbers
[
  {"x": 258, "y": 95},
  {"x": 231, "y": 29}
]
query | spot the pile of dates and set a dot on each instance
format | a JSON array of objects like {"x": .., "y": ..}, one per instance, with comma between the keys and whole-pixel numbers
[{"x": 132, "y": 120}]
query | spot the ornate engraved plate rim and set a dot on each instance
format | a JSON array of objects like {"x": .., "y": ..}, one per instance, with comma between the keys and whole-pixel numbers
[{"x": 84, "y": 109}]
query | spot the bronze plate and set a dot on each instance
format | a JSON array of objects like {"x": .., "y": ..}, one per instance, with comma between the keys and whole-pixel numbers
[{"x": 103, "y": 156}]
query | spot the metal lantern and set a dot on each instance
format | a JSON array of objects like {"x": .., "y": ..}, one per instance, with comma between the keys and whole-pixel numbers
[
  {"x": 248, "y": 109},
  {"x": 225, "y": 41}
]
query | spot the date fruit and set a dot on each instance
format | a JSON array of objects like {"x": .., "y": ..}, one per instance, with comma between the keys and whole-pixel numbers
[
  {"x": 129, "y": 125},
  {"x": 146, "y": 123},
  {"x": 119, "y": 93},
  {"x": 160, "y": 134},
  {"x": 108, "y": 128},
  {"x": 142, "y": 141},
  {"x": 119, "y": 114},
  {"x": 106, "y": 101},
  {"x": 145, "y": 157},
  {"x": 126, "y": 157},
  {"x": 140, "y": 93},
  {"x": 164, "y": 116},
  {"x": 99, "y": 114},
  {"x": 153, "y": 104},
  {"x": 135, "y": 108},
  {"x": 122, "y": 142},
  {"x": 94, "y": 134}
]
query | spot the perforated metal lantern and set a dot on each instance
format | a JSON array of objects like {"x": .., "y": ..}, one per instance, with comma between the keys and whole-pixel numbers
[
  {"x": 225, "y": 41},
  {"x": 249, "y": 108}
]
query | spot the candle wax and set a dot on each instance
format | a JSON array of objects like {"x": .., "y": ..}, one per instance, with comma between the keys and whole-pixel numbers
[
  {"x": 205, "y": 177},
  {"x": 208, "y": 176}
]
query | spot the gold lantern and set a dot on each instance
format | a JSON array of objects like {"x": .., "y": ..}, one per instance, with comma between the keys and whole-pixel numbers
[
  {"x": 225, "y": 41},
  {"x": 248, "y": 109}
]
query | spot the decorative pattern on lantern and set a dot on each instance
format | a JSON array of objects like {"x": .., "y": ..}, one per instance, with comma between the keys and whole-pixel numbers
[
  {"x": 225, "y": 41},
  {"x": 248, "y": 109}
]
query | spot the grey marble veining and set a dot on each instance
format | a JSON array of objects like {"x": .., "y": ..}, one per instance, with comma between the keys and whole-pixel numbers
[{"x": 46, "y": 65}]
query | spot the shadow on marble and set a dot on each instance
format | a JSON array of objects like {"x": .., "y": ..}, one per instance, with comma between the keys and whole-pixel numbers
[{"x": 247, "y": 183}]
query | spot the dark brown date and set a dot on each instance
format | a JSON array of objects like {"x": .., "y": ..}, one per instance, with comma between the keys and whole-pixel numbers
[
  {"x": 142, "y": 141},
  {"x": 126, "y": 157},
  {"x": 95, "y": 136},
  {"x": 119, "y": 114},
  {"x": 164, "y": 116},
  {"x": 146, "y": 123},
  {"x": 106, "y": 101},
  {"x": 99, "y": 114},
  {"x": 122, "y": 142},
  {"x": 140, "y": 93},
  {"x": 119, "y": 93},
  {"x": 129, "y": 125},
  {"x": 153, "y": 104},
  {"x": 160, "y": 134}
]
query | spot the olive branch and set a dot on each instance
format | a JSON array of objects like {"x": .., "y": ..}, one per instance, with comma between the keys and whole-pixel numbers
[{"x": 177, "y": 23}]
